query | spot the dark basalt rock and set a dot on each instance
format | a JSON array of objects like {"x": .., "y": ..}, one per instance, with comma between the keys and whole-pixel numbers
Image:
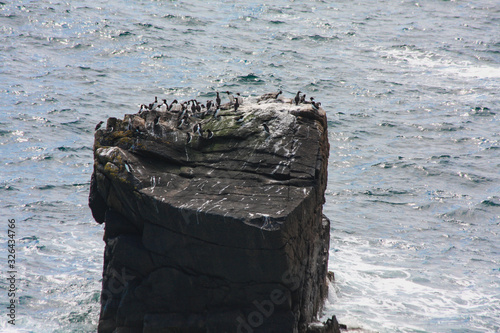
[{"x": 221, "y": 234}]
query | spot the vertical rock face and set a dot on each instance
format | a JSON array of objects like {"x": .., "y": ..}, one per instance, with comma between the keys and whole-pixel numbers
[{"x": 213, "y": 230}]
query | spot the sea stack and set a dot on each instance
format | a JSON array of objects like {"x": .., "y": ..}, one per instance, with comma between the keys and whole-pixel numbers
[{"x": 219, "y": 234}]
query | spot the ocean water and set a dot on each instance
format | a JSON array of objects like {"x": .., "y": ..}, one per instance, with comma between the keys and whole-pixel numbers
[{"x": 412, "y": 94}]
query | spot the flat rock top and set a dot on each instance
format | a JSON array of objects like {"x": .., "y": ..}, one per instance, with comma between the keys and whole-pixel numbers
[{"x": 239, "y": 170}]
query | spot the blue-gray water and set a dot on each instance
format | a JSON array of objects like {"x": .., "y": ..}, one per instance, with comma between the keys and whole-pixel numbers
[{"x": 412, "y": 94}]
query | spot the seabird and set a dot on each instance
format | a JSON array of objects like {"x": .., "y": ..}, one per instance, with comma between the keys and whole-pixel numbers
[
  {"x": 266, "y": 129},
  {"x": 236, "y": 104},
  {"x": 213, "y": 107},
  {"x": 217, "y": 100},
  {"x": 239, "y": 98},
  {"x": 157, "y": 119},
  {"x": 164, "y": 106},
  {"x": 240, "y": 118},
  {"x": 197, "y": 129},
  {"x": 297, "y": 98},
  {"x": 182, "y": 114},
  {"x": 98, "y": 125},
  {"x": 231, "y": 97},
  {"x": 175, "y": 106},
  {"x": 216, "y": 113},
  {"x": 193, "y": 106},
  {"x": 189, "y": 138},
  {"x": 316, "y": 105},
  {"x": 153, "y": 105},
  {"x": 209, "y": 104},
  {"x": 181, "y": 123},
  {"x": 303, "y": 98},
  {"x": 210, "y": 134},
  {"x": 267, "y": 96}
]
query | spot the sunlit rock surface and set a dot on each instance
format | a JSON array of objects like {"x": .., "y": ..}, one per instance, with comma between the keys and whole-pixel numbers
[{"x": 221, "y": 233}]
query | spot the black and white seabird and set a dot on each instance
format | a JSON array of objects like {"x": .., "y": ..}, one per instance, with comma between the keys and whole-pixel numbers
[
  {"x": 197, "y": 129},
  {"x": 210, "y": 134},
  {"x": 236, "y": 104},
  {"x": 266, "y": 129},
  {"x": 153, "y": 105},
  {"x": 98, "y": 125},
  {"x": 231, "y": 97},
  {"x": 197, "y": 106},
  {"x": 189, "y": 137},
  {"x": 181, "y": 123},
  {"x": 193, "y": 106},
  {"x": 239, "y": 98},
  {"x": 267, "y": 96},
  {"x": 175, "y": 106},
  {"x": 217, "y": 100},
  {"x": 182, "y": 114},
  {"x": 316, "y": 105},
  {"x": 164, "y": 106},
  {"x": 216, "y": 113},
  {"x": 303, "y": 98},
  {"x": 297, "y": 98}
]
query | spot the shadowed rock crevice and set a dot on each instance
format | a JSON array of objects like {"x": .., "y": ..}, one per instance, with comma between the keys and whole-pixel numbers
[{"x": 213, "y": 223}]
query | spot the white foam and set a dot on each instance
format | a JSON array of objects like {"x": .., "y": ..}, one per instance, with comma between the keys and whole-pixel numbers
[{"x": 439, "y": 64}]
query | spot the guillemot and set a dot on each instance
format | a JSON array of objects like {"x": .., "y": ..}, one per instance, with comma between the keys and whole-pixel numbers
[
  {"x": 216, "y": 113},
  {"x": 297, "y": 98},
  {"x": 98, "y": 125},
  {"x": 266, "y": 129},
  {"x": 302, "y": 98},
  {"x": 164, "y": 106},
  {"x": 231, "y": 97},
  {"x": 217, "y": 100},
  {"x": 197, "y": 106},
  {"x": 267, "y": 96},
  {"x": 197, "y": 129},
  {"x": 316, "y": 105},
  {"x": 153, "y": 105},
  {"x": 181, "y": 123},
  {"x": 175, "y": 106},
  {"x": 193, "y": 106},
  {"x": 210, "y": 134},
  {"x": 236, "y": 104},
  {"x": 239, "y": 98}
]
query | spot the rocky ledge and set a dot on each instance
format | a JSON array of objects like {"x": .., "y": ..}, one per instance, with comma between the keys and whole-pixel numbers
[{"x": 213, "y": 220}]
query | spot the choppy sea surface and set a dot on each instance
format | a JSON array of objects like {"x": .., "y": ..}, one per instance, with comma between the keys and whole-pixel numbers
[{"x": 412, "y": 94}]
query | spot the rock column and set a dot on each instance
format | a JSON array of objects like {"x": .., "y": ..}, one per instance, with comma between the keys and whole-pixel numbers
[{"x": 213, "y": 223}]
